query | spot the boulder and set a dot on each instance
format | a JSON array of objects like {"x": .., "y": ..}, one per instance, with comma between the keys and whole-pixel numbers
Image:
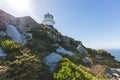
[
  {"x": 28, "y": 36},
  {"x": 87, "y": 61},
  {"x": 2, "y": 53},
  {"x": 56, "y": 45},
  {"x": 82, "y": 49},
  {"x": 14, "y": 34},
  {"x": 66, "y": 40},
  {"x": 52, "y": 59},
  {"x": 2, "y": 33},
  {"x": 98, "y": 57},
  {"x": 64, "y": 51},
  {"x": 54, "y": 36}
]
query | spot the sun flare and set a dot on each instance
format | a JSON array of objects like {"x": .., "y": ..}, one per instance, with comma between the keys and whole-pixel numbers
[{"x": 19, "y": 5}]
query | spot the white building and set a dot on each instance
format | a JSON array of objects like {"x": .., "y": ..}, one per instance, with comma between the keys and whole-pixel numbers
[{"x": 48, "y": 20}]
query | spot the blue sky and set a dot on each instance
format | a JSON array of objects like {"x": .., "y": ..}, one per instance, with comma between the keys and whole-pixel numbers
[{"x": 94, "y": 22}]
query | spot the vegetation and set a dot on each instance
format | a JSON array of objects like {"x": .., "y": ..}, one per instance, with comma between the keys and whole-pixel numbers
[
  {"x": 24, "y": 67},
  {"x": 70, "y": 71},
  {"x": 8, "y": 46},
  {"x": 36, "y": 45},
  {"x": 3, "y": 70},
  {"x": 99, "y": 52},
  {"x": 28, "y": 64},
  {"x": 75, "y": 43},
  {"x": 42, "y": 35},
  {"x": 103, "y": 57},
  {"x": 99, "y": 71},
  {"x": 2, "y": 38},
  {"x": 76, "y": 58}
]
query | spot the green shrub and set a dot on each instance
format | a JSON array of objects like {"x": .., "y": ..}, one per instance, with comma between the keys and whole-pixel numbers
[
  {"x": 75, "y": 43},
  {"x": 70, "y": 71},
  {"x": 3, "y": 70},
  {"x": 76, "y": 57},
  {"x": 42, "y": 35},
  {"x": 36, "y": 45},
  {"x": 8, "y": 46},
  {"x": 52, "y": 48},
  {"x": 24, "y": 67}
]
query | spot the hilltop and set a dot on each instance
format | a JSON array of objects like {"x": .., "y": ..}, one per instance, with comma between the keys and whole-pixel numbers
[{"x": 44, "y": 53}]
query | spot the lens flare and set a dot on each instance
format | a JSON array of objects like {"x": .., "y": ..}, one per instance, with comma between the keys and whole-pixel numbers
[{"x": 19, "y": 5}]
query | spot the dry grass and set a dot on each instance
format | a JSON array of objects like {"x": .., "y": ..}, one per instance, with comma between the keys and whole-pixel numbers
[{"x": 3, "y": 70}]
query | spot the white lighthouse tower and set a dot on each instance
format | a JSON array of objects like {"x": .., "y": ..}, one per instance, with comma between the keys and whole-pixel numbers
[{"x": 48, "y": 20}]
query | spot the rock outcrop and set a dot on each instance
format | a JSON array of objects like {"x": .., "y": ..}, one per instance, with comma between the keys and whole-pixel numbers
[
  {"x": 87, "y": 61},
  {"x": 6, "y": 19},
  {"x": 14, "y": 34},
  {"x": 64, "y": 51},
  {"x": 2, "y": 33},
  {"x": 27, "y": 21},
  {"x": 66, "y": 40},
  {"x": 2, "y": 53},
  {"x": 82, "y": 49},
  {"x": 52, "y": 59}
]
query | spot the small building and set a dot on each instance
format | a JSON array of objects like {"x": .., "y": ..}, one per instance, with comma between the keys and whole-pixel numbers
[{"x": 48, "y": 20}]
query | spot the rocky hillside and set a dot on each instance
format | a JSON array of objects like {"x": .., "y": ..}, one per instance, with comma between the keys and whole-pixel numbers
[
  {"x": 6, "y": 19},
  {"x": 25, "y": 35}
]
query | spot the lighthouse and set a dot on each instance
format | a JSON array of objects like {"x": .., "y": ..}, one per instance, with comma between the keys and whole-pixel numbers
[{"x": 48, "y": 20}]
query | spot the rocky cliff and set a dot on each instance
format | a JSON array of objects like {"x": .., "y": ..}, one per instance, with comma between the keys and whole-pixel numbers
[{"x": 6, "y": 19}]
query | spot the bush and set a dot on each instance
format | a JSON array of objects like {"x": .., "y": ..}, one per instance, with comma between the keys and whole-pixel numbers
[
  {"x": 75, "y": 43},
  {"x": 36, "y": 45},
  {"x": 24, "y": 67},
  {"x": 52, "y": 48},
  {"x": 3, "y": 70},
  {"x": 76, "y": 57},
  {"x": 70, "y": 71},
  {"x": 8, "y": 46},
  {"x": 99, "y": 71},
  {"x": 42, "y": 35}
]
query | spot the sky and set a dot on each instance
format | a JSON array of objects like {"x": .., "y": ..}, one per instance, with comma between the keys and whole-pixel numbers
[{"x": 94, "y": 22}]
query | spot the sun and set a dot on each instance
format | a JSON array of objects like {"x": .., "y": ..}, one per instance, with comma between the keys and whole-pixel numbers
[{"x": 19, "y": 5}]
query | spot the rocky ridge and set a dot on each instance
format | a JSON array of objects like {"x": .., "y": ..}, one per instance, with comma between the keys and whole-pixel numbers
[{"x": 6, "y": 19}]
